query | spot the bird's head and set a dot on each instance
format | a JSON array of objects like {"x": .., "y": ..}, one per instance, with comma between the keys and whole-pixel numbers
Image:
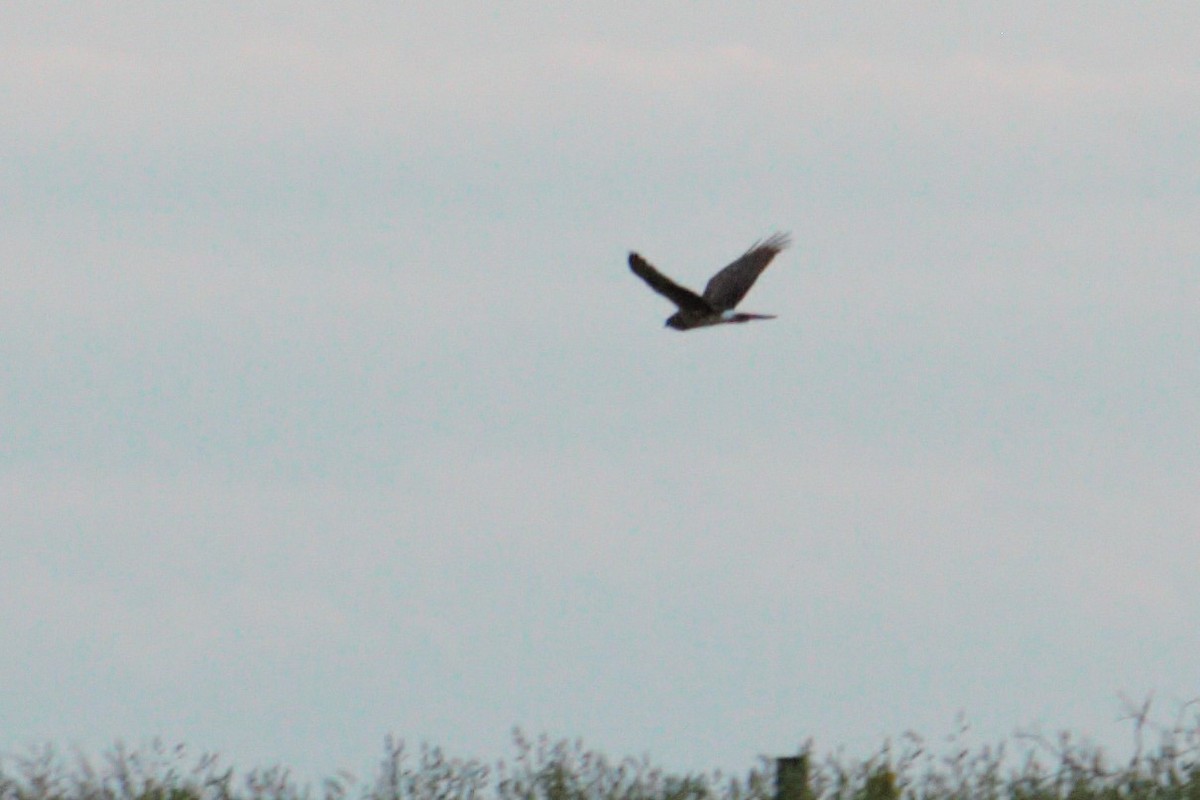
[{"x": 676, "y": 321}]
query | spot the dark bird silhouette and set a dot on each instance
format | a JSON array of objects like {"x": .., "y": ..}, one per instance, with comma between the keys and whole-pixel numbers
[{"x": 723, "y": 292}]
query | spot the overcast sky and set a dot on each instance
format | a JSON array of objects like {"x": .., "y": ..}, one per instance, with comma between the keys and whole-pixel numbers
[{"x": 329, "y": 407}]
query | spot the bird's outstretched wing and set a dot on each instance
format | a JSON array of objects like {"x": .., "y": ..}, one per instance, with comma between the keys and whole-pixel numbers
[
  {"x": 686, "y": 299},
  {"x": 727, "y": 288}
]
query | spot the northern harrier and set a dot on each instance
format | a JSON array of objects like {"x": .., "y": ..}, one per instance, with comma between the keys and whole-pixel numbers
[{"x": 723, "y": 292}]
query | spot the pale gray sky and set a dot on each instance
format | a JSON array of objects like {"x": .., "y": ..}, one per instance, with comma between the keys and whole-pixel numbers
[{"x": 330, "y": 407}]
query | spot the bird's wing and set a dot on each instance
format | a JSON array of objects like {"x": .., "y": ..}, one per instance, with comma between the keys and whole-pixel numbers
[
  {"x": 727, "y": 288},
  {"x": 686, "y": 299}
]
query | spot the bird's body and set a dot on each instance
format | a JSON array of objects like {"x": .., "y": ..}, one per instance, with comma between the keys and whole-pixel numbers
[
  {"x": 723, "y": 292},
  {"x": 686, "y": 320}
]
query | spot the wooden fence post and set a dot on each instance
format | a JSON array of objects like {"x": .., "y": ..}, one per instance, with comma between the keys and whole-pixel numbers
[{"x": 791, "y": 778}]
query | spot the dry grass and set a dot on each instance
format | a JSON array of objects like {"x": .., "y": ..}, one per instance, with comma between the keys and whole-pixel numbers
[{"x": 1027, "y": 768}]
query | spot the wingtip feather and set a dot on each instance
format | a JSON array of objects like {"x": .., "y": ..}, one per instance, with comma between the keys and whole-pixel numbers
[{"x": 780, "y": 240}]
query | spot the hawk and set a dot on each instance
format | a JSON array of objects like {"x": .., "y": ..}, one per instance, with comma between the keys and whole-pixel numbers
[{"x": 723, "y": 292}]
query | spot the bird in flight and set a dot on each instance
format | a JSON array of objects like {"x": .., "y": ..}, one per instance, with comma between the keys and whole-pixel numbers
[{"x": 723, "y": 292}]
